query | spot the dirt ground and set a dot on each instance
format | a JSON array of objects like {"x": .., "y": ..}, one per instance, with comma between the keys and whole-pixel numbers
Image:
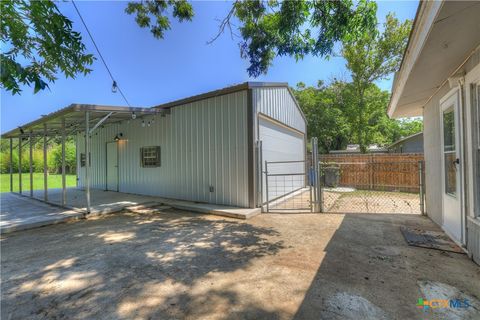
[
  {"x": 364, "y": 201},
  {"x": 178, "y": 265}
]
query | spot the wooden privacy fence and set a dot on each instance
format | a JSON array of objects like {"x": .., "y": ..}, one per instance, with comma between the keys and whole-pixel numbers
[{"x": 382, "y": 172}]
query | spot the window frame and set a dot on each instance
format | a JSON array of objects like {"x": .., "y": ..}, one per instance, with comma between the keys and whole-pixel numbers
[
  {"x": 149, "y": 153},
  {"x": 449, "y": 150}
]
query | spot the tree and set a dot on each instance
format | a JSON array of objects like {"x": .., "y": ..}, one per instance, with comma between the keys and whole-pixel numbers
[
  {"x": 39, "y": 41},
  {"x": 371, "y": 57},
  {"x": 325, "y": 119},
  {"x": 331, "y": 116},
  {"x": 149, "y": 10},
  {"x": 297, "y": 28}
]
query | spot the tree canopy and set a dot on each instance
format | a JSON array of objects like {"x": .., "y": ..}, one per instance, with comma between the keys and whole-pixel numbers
[
  {"x": 38, "y": 41},
  {"x": 331, "y": 116},
  {"x": 370, "y": 57}
]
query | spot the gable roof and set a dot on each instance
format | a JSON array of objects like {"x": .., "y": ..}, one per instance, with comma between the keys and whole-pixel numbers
[{"x": 231, "y": 89}]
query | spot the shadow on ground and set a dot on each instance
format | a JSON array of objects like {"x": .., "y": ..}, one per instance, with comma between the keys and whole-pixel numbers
[
  {"x": 368, "y": 272},
  {"x": 177, "y": 265},
  {"x": 134, "y": 268}
]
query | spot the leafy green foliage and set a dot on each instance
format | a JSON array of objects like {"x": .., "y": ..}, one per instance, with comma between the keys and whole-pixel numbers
[
  {"x": 370, "y": 57},
  {"x": 37, "y": 43},
  {"x": 297, "y": 28},
  {"x": 158, "y": 11},
  {"x": 325, "y": 119},
  {"x": 54, "y": 157},
  {"x": 331, "y": 113},
  {"x": 272, "y": 28}
]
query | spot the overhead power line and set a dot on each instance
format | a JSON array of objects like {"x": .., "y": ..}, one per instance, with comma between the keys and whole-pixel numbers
[{"x": 114, "y": 83}]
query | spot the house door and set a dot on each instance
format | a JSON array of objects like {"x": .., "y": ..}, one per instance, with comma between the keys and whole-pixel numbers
[
  {"x": 112, "y": 166},
  {"x": 451, "y": 165}
]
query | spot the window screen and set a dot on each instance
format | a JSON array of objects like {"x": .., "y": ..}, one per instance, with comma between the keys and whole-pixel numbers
[
  {"x": 150, "y": 157},
  {"x": 449, "y": 151}
]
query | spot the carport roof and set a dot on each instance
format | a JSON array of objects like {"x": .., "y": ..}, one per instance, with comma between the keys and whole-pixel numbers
[{"x": 74, "y": 116}]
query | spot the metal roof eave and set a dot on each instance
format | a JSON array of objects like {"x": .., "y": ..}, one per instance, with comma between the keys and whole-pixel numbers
[
  {"x": 239, "y": 87},
  {"x": 422, "y": 24},
  {"x": 223, "y": 91},
  {"x": 72, "y": 111}
]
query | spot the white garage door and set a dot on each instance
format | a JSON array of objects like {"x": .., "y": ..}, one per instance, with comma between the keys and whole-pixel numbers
[{"x": 280, "y": 143}]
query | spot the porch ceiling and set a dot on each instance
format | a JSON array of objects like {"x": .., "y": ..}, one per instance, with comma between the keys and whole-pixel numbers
[
  {"x": 438, "y": 46},
  {"x": 74, "y": 116}
]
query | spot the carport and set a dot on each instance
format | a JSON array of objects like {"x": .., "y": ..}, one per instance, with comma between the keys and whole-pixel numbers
[{"x": 72, "y": 120}]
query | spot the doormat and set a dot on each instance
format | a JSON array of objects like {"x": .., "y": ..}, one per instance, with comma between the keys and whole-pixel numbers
[{"x": 429, "y": 239}]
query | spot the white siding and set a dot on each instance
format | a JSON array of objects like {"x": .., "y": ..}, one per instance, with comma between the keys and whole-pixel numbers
[
  {"x": 278, "y": 103},
  {"x": 433, "y": 165},
  {"x": 203, "y": 143}
]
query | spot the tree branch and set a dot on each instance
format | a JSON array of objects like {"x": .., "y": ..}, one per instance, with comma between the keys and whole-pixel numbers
[{"x": 225, "y": 23}]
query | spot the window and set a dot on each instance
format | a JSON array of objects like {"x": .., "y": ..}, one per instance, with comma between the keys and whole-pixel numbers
[
  {"x": 150, "y": 157},
  {"x": 449, "y": 151},
  {"x": 82, "y": 159}
]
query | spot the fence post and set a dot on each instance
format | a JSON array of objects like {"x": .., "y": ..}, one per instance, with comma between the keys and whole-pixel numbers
[
  {"x": 266, "y": 184},
  {"x": 319, "y": 185},
  {"x": 317, "y": 193},
  {"x": 421, "y": 187},
  {"x": 260, "y": 169}
]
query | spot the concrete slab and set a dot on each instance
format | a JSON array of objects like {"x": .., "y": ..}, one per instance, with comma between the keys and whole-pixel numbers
[
  {"x": 104, "y": 202},
  {"x": 21, "y": 213}
]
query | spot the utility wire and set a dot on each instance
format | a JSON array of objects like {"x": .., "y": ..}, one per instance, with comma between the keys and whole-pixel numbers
[{"x": 100, "y": 54}]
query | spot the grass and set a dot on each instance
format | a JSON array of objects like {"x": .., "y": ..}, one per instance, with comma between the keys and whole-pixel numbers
[{"x": 54, "y": 181}]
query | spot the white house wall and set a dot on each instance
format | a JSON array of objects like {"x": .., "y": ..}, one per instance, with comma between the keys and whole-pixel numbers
[
  {"x": 433, "y": 162},
  {"x": 203, "y": 144}
]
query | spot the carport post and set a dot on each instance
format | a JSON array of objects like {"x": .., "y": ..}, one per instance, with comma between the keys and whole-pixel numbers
[
  {"x": 87, "y": 159},
  {"x": 45, "y": 169},
  {"x": 11, "y": 165},
  {"x": 31, "y": 163},
  {"x": 64, "y": 186},
  {"x": 20, "y": 164}
]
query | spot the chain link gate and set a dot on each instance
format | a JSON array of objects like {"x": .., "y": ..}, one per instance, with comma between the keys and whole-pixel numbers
[{"x": 356, "y": 185}]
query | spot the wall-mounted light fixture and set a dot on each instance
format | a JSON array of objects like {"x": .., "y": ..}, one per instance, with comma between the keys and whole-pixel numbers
[{"x": 118, "y": 136}]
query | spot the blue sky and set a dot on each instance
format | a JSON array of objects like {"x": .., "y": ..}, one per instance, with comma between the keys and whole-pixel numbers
[{"x": 151, "y": 71}]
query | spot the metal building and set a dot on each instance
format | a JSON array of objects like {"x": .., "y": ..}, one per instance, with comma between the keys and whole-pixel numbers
[{"x": 207, "y": 148}]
